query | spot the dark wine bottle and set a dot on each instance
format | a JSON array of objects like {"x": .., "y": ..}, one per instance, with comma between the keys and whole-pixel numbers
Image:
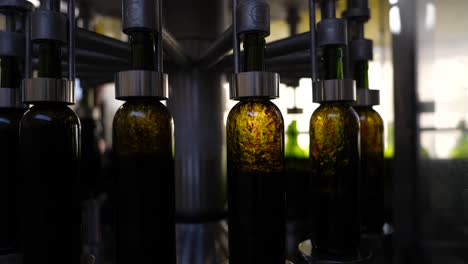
[
  {"x": 50, "y": 154},
  {"x": 334, "y": 155},
  {"x": 372, "y": 158},
  {"x": 144, "y": 190},
  {"x": 10, "y": 117},
  {"x": 256, "y": 184}
]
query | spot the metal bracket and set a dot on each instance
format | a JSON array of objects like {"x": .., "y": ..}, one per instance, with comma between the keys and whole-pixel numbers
[
  {"x": 254, "y": 84},
  {"x": 361, "y": 50},
  {"x": 49, "y": 25},
  {"x": 332, "y": 31},
  {"x": 139, "y": 15},
  {"x": 36, "y": 90},
  {"x": 141, "y": 84},
  {"x": 12, "y": 44},
  {"x": 367, "y": 97},
  {"x": 334, "y": 91},
  {"x": 253, "y": 16}
]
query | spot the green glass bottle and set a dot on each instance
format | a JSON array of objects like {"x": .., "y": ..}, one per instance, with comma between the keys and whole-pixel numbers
[
  {"x": 10, "y": 117},
  {"x": 372, "y": 158},
  {"x": 293, "y": 150},
  {"x": 50, "y": 154},
  {"x": 334, "y": 155},
  {"x": 144, "y": 191},
  {"x": 256, "y": 186}
]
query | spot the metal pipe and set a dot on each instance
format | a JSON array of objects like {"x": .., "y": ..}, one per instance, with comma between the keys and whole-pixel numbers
[
  {"x": 174, "y": 50},
  {"x": 28, "y": 52},
  {"x": 293, "y": 20},
  {"x": 51, "y": 5},
  {"x": 71, "y": 40},
  {"x": 281, "y": 47},
  {"x": 160, "y": 65},
  {"x": 328, "y": 9},
  {"x": 312, "y": 41},
  {"x": 93, "y": 41},
  {"x": 217, "y": 50},
  {"x": 235, "y": 40},
  {"x": 290, "y": 59},
  {"x": 87, "y": 55}
]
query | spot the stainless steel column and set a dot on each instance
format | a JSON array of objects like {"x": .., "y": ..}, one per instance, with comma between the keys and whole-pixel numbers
[{"x": 197, "y": 103}]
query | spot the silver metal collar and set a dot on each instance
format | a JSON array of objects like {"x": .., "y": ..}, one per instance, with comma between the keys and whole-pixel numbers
[
  {"x": 367, "y": 97},
  {"x": 144, "y": 84},
  {"x": 36, "y": 90},
  {"x": 334, "y": 90},
  {"x": 254, "y": 84}
]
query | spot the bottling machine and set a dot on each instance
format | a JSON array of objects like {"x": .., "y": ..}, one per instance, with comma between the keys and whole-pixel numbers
[{"x": 185, "y": 179}]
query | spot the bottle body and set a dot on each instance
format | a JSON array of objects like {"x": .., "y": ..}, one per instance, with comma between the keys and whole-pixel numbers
[
  {"x": 144, "y": 189},
  {"x": 10, "y": 180},
  {"x": 334, "y": 182},
  {"x": 50, "y": 153},
  {"x": 372, "y": 166},
  {"x": 256, "y": 186}
]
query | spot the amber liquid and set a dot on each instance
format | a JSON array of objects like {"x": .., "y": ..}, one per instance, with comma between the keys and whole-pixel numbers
[
  {"x": 144, "y": 194},
  {"x": 257, "y": 217},
  {"x": 49, "y": 140}
]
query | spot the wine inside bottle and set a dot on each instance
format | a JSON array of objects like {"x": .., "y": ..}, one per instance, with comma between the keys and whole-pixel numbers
[
  {"x": 144, "y": 192},
  {"x": 10, "y": 78},
  {"x": 50, "y": 151},
  {"x": 372, "y": 158},
  {"x": 50, "y": 147},
  {"x": 334, "y": 182},
  {"x": 256, "y": 184}
]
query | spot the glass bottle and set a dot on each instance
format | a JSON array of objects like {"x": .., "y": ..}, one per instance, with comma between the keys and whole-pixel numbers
[
  {"x": 10, "y": 78},
  {"x": 372, "y": 158},
  {"x": 50, "y": 153},
  {"x": 256, "y": 186},
  {"x": 292, "y": 149},
  {"x": 144, "y": 191},
  {"x": 334, "y": 156}
]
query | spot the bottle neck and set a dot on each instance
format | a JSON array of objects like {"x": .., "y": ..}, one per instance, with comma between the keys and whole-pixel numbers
[
  {"x": 361, "y": 74},
  {"x": 143, "y": 50},
  {"x": 49, "y": 60},
  {"x": 10, "y": 76},
  {"x": 333, "y": 62},
  {"x": 254, "y": 52}
]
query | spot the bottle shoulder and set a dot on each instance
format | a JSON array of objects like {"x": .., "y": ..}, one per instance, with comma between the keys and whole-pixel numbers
[
  {"x": 10, "y": 117},
  {"x": 144, "y": 109},
  {"x": 336, "y": 111},
  {"x": 369, "y": 115},
  {"x": 52, "y": 114},
  {"x": 258, "y": 108}
]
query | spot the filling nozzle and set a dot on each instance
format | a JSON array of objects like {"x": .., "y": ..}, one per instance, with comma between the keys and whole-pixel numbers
[
  {"x": 328, "y": 9},
  {"x": 50, "y": 30},
  {"x": 142, "y": 22},
  {"x": 251, "y": 24},
  {"x": 51, "y": 5}
]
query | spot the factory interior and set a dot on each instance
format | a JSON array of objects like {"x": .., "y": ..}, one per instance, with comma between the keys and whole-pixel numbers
[{"x": 233, "y": 131}]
